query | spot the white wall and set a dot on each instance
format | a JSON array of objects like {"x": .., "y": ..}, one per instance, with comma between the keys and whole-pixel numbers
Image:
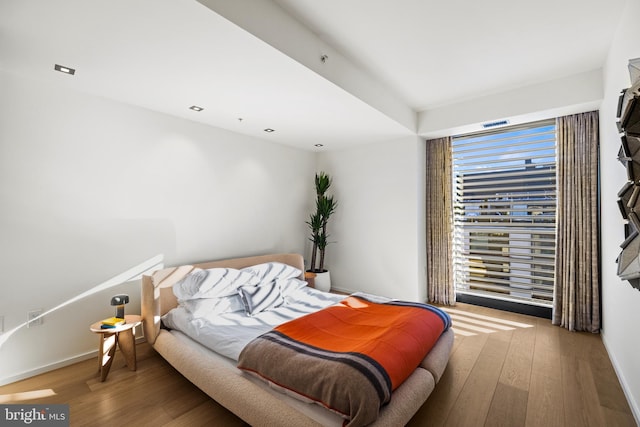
[
  {"x": 378, "y": 228},
  {"x": 90, "y": 188},
  {"x": 621, "y": 303}
]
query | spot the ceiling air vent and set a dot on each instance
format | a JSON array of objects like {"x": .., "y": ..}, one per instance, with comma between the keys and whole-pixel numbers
[{"x": 494, "y": 124}]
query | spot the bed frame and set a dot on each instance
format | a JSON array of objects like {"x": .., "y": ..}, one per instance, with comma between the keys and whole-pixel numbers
[{"x": 255, "y": 403}]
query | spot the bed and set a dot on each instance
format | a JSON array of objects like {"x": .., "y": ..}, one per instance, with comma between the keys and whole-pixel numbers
[{"x": 250, "y": 397}]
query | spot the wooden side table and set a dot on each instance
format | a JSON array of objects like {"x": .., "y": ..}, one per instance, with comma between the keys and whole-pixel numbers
[
  {"x": 310, "y": 277},
  {"x": 121, "y": 336}
]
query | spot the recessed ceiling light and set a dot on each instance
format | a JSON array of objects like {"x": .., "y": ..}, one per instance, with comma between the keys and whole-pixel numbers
[
  {"x": 269, "y": 130},
  {"x": 196, "y": 108},
  {"x": 319, "y": 145},
  {"x": 64, "y": 69}
]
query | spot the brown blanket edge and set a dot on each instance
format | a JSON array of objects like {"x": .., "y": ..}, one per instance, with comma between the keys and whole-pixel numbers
[{"x": 337, "y": 385}]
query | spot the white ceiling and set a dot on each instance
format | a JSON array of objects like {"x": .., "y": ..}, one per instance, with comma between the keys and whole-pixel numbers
[
  {"x": 166, "y": 55},
  {"x": 435, "y": 52}
]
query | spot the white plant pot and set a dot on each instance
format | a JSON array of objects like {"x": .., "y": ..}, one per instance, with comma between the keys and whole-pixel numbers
[{"x": 322, "y": 281}]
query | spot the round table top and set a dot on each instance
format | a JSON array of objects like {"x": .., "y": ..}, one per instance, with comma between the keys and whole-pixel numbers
[{"x": 130, "y": 321}]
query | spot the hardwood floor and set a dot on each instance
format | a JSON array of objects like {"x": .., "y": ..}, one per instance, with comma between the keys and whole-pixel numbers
[
  {"x": 506, "y": 370},
  {"x": 509, "y": 369}
]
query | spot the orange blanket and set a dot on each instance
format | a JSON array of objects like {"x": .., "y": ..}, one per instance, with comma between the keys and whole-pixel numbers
[{"x": 348, "y": 357}]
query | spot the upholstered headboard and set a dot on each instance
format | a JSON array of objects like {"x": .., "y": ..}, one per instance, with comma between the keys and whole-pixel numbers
[{"x": 157, "y": 291}]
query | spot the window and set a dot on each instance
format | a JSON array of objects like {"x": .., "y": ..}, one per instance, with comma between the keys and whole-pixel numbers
[{"x": 505, "y": 213}]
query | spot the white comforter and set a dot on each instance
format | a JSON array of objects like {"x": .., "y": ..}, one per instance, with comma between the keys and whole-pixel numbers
[{"x": 228, "y": 333}]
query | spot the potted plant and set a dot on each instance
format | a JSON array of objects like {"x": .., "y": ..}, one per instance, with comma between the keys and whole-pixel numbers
[{"x": 325, "y": 207}]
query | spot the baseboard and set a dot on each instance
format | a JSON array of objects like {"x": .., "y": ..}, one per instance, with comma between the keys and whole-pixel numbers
[
  {"x": 53, "y": 366},
  {"x": 341, "y": 291},
  {"x": 635, "y": 410}
]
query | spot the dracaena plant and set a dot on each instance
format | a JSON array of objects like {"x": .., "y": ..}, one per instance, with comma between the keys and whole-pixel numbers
[{"x": 325, "y": 207}]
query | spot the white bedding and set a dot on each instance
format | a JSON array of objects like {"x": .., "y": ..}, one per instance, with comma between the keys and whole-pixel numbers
[{"x": 228, "y": 333}]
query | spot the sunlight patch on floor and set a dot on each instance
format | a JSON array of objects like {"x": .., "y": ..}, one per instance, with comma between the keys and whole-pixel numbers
[
  {"x": 26, "y": 395},
  {"x": 462, "y": 332},
  {"x": 470, "y": 324}
]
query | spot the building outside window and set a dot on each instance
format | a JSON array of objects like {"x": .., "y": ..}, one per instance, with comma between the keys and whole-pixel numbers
[{"x": 505, "y": 213}]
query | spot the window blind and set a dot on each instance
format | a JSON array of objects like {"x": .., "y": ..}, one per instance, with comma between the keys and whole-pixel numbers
[{"x": 505, "y": 212}]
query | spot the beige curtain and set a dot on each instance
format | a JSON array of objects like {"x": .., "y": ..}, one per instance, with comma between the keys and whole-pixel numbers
[
  {"x": 576, "y": 304},
  {"x": 439, "y": 206}
]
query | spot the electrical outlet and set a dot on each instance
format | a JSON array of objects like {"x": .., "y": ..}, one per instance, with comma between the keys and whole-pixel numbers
[{"x": 34, "y": 320}]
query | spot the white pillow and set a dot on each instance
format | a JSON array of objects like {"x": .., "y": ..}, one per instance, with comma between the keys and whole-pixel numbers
[
  {"x": 189, "y": 284},
  {"x": 257, "y": 299},
  {"x": 270, "y": 271},
  {"x": 289, "y": 286},
  {"x": 203, "y": 307},
  {"x": 212, "y": 283}
]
